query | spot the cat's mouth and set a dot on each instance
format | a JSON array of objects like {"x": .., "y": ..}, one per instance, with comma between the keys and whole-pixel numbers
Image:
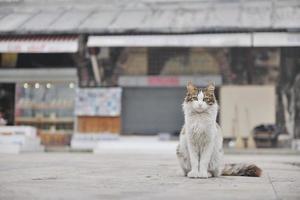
[
  {"x": 196, "y": 111},
  {"x": 201, "y": 108}
]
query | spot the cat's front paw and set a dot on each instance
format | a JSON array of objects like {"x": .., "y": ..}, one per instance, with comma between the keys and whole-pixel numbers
[
  {"x": 203, "y": 174},
  {"x": 193, "y": 174}
]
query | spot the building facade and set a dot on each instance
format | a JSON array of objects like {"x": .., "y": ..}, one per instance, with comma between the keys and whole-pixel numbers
[{"x": 150, "y": 49}]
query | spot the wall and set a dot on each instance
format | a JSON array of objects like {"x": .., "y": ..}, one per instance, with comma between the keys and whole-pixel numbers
[{"x": 244, "y": 107}]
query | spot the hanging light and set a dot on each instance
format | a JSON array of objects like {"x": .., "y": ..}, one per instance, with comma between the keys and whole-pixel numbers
[
  {"x": 26, "y": 85},
  {"x": 37, "y": 85},
  {"x": 48, "y": 85},
  {"x": 71, "y": 85}
]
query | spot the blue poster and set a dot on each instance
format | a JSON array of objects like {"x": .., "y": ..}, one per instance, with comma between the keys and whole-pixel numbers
[{"x": 98, "y": 102}]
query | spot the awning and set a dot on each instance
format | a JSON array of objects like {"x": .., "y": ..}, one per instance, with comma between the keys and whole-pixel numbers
[
  {"x": 38, "y": 75},
  {"x": 266, "y": 39},
  {"x": 39, "y": 44},
  {"x": 276, "y": 39},
  {"x": 186, "y": 40}
]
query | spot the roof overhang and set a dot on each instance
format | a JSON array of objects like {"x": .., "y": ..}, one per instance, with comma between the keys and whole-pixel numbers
[
  {"x": 272, "y": 39},
  {"x": 39, "y": 44},
  {"x": 38, "y": 75},
  {"x": 266, "y": 39},
  {"x": 185, "y": 40}
]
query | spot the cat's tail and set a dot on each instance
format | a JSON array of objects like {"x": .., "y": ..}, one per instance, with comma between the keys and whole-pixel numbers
[{"x": 241, "y": 170}]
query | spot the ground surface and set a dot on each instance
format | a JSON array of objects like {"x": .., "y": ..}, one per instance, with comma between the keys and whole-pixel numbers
[{"x": 140, "y": 175}]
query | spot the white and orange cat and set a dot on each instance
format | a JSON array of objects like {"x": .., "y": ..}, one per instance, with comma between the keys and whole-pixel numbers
[{"x": 200, "y": 149}]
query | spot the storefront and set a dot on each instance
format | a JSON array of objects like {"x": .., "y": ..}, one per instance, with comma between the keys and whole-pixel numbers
[
  {"x": 149, "y": 66},
  {"x": 42, "y": 84},
  {"x": 153, "y": 71}
]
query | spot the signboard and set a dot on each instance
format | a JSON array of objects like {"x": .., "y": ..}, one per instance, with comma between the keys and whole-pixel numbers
[
  {"x": 183, "y": 40},
  {"x": 45, "y": 45},
  {"x": 163, "y": 81},
  {"x": 168, "y": 81},
  {"x": 276, "y": 39},
  {"x": 98, "y": 102}
]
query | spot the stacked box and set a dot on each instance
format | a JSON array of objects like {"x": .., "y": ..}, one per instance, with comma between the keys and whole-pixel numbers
[
  {"x": 98, "y": 113},
  {"x": 17, "y": 139},
  {"x": 55, "y": 138}
]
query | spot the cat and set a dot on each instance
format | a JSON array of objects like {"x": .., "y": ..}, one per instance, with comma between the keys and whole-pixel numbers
[{"x": 200, "y": 149}]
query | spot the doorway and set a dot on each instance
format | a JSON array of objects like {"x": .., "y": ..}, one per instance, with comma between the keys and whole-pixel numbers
[{"x": 7, "y": 101}]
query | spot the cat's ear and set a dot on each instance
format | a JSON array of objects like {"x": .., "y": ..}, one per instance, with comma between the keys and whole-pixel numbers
[
  {"x": 211, "y": 87},
  {"x": 190, "y": 87}
]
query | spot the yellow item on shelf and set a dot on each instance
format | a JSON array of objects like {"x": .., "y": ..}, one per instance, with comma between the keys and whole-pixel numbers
[
  {"x": 239, "y": 143},
  {"x": 251, "y": 142}
]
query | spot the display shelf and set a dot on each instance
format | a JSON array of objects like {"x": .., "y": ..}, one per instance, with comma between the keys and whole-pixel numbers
[
  {"x": 64, "y": 131},
  {"x": 43, "y": 120},
  {"x": 49, "y": 108},
  {"x": 45, "y": 107}
]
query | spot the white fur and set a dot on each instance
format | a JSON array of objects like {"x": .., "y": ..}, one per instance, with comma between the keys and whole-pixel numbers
[{"x": 200, "y": 147}]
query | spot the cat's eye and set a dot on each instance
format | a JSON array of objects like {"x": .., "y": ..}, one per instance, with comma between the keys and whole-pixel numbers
[{"x": 195, "y": 98}]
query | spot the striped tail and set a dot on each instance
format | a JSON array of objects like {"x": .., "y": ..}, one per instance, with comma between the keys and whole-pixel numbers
[{"x": 241, "y": 170}]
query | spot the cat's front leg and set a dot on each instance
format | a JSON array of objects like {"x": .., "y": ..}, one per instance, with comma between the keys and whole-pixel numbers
[
  {"x": 194, "y": 159},
  {"x": 204, "y": 160}
]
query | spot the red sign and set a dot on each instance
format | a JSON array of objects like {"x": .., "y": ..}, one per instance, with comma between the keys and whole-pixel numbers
[{"x": 163, "y": 81}]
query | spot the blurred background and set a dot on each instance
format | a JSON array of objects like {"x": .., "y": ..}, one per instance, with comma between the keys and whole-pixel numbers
[{"x": 76, "y": 72}]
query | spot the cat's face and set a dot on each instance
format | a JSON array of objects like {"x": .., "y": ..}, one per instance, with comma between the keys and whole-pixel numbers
[{"x": 200, "y": 99}]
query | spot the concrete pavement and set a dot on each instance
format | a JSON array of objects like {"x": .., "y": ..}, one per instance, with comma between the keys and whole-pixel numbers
[{"x": 143, "y": 175}]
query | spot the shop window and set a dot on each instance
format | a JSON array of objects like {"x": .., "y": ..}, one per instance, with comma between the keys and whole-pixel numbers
[
  {"x": 47, "y": 106},
  {"x": 183, "y": 61},
  {"x": 266, "y": 65},
  {"x": 44, "y": 60},
  {"x": 8, "y": 60},
  {"x": 7, "y": 96},
  {"x": 254, "y": 66},
  {"x": 142, "y": 61}
]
